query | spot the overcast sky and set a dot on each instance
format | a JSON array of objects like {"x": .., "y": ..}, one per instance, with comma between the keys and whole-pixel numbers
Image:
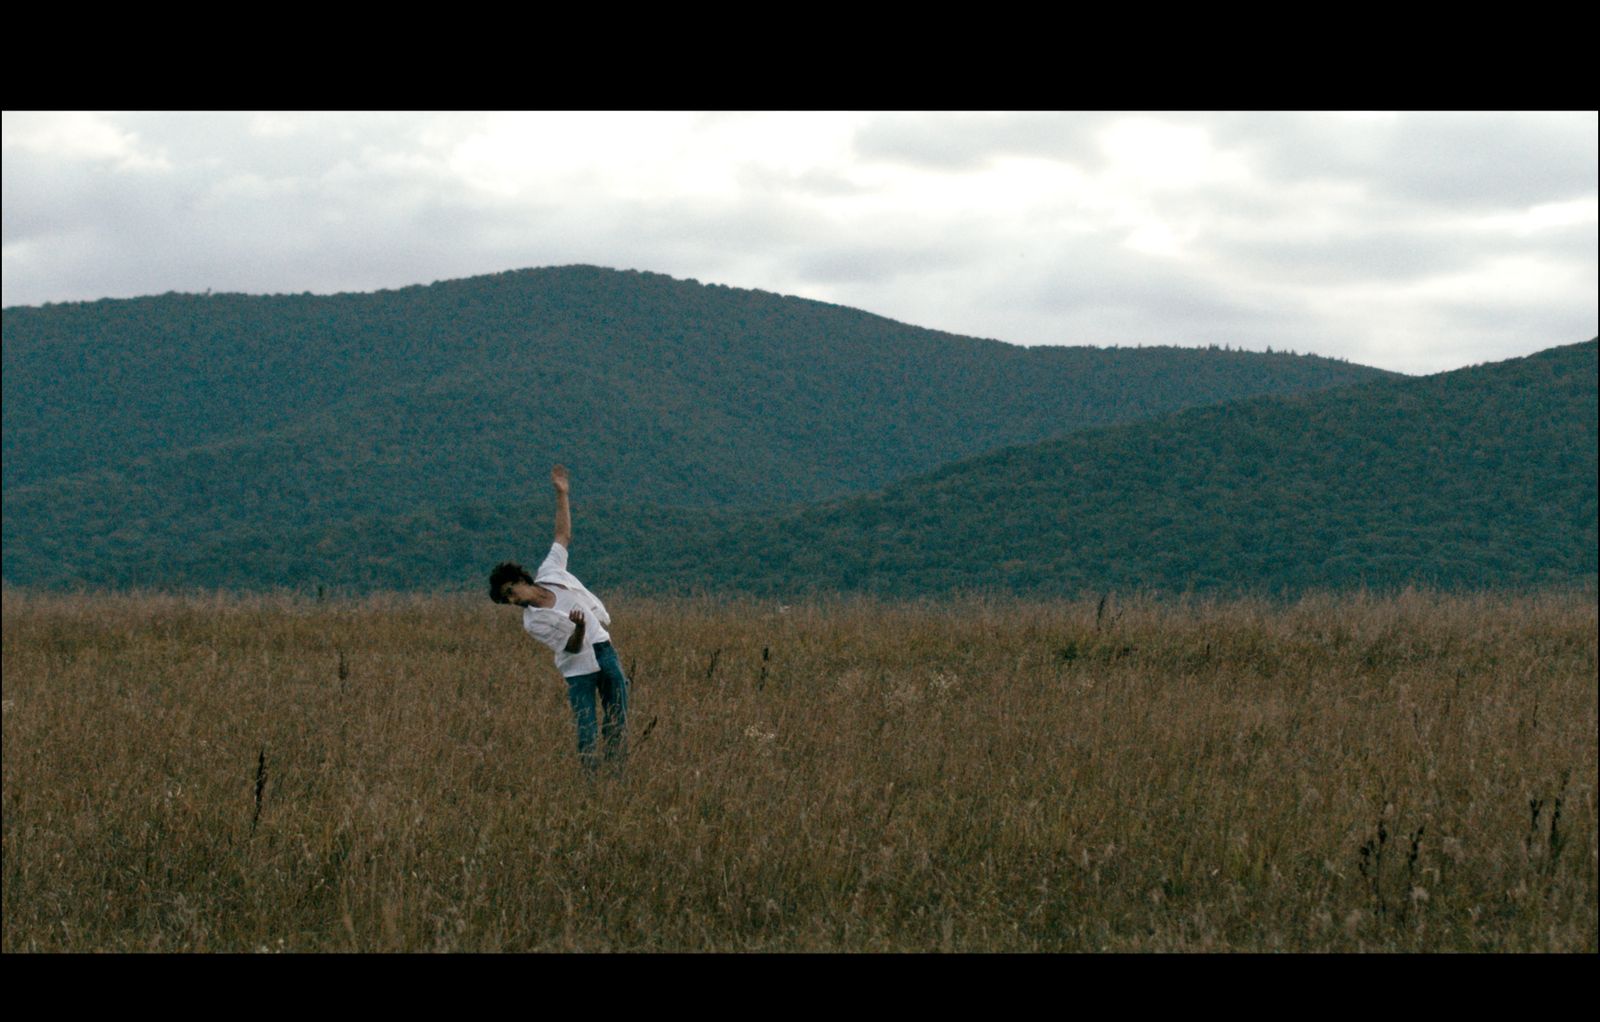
[{"x": 1418, "y": 242}]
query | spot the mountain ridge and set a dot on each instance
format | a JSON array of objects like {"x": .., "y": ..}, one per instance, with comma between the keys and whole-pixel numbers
[
  {"x": 1496, "y": 494},
  {"x": 1533, "y": 528},
  {"x": 139, "y": 429}
]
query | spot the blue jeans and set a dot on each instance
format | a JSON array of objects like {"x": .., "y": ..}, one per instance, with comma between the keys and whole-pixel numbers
[{"x": 610, "y": 686}]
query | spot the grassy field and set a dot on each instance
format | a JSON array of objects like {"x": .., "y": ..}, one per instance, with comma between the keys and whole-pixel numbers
[{"x": 1413, "y": 773}]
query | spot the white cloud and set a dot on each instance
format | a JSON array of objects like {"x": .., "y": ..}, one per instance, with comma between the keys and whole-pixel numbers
[
  {"x": 1544, "y": 217},
  {"x": 79, "y": 136},
  {"x": 1148, "y": 154}
]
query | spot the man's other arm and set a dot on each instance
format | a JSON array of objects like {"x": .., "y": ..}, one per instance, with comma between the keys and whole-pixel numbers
[
  {"x": 558, "y": 476},
  {"x": 575, "y": 643}
]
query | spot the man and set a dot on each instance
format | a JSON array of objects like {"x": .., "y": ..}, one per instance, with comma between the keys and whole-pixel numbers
[{"x": 561, "y": 613}]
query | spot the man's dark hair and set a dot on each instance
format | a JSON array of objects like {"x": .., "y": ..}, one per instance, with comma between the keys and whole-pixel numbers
[{"x": 503, "y": 573}]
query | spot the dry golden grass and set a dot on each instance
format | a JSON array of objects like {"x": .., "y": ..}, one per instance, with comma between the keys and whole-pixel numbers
[{"x": 222, "y": 774}]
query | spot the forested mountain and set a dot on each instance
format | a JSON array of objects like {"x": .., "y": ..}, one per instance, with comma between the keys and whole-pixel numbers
[
  {"x": 1482, "y": 477},
  {"x": 1478, "y": 478},
  {"x": 164, "y": 440}
]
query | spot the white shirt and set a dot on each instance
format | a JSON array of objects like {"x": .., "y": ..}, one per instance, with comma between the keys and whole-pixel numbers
[{"x": 552, "y": 626}]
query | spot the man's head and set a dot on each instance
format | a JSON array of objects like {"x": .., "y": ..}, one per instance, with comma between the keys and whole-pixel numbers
[{"x": 507, "y": 582}]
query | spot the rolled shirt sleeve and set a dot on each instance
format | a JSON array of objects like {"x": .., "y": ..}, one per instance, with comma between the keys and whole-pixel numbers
[
  {"x": 549, "y": 626},
  {"x": 555, "y": 561}
]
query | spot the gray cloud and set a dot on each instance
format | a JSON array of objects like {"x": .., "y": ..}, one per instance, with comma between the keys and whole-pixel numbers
[
  {"x": 235, "y": 211},
  {"x": 968, "y": 141},
  {"x": 874, "y": 263},
  {"x": 1315, "y": 208},
  {"x": 1390, "y": 254},
  {"x": 44, "y": 197},
  {"x": 1473, "y": 160},
  {"x": 1076, "y": 291}
]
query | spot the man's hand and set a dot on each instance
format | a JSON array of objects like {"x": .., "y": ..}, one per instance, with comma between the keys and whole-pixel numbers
[
  {"x": 575, "y": 643},
  {"x": 558, "y": 475}
]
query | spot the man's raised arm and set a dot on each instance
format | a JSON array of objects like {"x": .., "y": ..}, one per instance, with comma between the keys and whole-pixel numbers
[{"x": 558, "y": 475}]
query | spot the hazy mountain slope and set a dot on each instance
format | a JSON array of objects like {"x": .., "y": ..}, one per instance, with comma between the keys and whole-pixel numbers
[
  {"x": 1484, "y": 477},
  {"x": 766, "y": 398},
  {"x": 1481, "y": 477},
  {"x": 138, "y": 432}
]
